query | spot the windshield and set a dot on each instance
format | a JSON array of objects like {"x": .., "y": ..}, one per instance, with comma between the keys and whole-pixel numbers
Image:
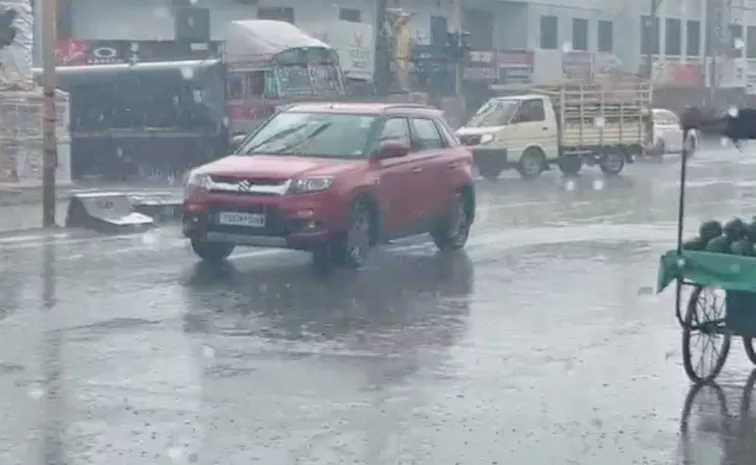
[
  {"x": 308, "y": 79},
  {"x": 312, "y": 134},
  {"x": 495, "y": 112}
]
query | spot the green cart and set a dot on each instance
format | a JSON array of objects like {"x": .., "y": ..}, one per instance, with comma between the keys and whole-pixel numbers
[{"x": 721, "y": 300}]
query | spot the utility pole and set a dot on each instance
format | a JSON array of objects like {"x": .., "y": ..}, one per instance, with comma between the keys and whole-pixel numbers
[
  {"x": 654, "y": 37},
  {"x": 50, "y": 144},
  {"x": 459, "y": 67}
]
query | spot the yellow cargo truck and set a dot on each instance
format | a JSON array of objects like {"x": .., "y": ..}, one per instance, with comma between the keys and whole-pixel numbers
[{"x": 568, "y": 125}]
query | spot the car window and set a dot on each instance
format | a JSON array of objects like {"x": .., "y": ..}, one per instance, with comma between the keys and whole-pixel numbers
[
  {"x": 312, "y": 134},
  {"x": 532, "y": 111},
  {"x": 396, "y": 129},
  {"x": 425, "y": 135}
]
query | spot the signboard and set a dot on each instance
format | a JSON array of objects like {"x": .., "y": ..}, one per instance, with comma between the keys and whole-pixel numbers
[
  {"x": 676, "y": 74},
  {"x": 354, "y": 42},
  {"x": 515, "y": 67},
  {"x": 577, "y": 65},
  {"x": 480, "y": 66},
  {"x": 96, "y": 52}
]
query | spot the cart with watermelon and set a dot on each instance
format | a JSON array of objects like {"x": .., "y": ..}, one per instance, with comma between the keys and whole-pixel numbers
[{"x": 715, "y": 298}]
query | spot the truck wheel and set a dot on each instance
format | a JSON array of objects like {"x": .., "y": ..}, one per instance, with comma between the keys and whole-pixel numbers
[
  {"x": 489, "y": 171},
  {"x": 531, "y": 163},
  {"x": 211, "y": 251},
  {"x": 612, "y": 163},
  {"x": 570, "y": 165}
]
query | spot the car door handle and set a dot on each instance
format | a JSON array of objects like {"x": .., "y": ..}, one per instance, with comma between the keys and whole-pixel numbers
[
  {"x": 453, "y": 165},
  {"x": 416, "y": 170}
]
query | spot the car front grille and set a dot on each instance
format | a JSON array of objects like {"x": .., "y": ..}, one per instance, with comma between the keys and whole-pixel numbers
[{"x": 470, "y": 139}]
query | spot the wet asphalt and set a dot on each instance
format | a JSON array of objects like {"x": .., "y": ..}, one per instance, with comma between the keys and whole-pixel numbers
[{"x": 542, "y": 343}]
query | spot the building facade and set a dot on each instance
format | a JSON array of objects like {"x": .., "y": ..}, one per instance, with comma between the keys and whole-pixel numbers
[{"x": 554, "y": 31}]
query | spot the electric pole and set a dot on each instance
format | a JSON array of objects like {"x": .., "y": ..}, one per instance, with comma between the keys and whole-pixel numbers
[{"x": 50, "y": 144}]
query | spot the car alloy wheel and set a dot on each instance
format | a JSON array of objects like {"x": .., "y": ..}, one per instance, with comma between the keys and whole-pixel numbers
[{"x": 357, "y": 241}]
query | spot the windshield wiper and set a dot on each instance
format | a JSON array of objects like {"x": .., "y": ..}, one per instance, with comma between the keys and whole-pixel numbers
[
  {"x": 305, "y": 139},
  {"x": 275, "y": 137}
]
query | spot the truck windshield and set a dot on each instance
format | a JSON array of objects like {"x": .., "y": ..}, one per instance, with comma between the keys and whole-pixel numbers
[{"x": 495, "y": 112}]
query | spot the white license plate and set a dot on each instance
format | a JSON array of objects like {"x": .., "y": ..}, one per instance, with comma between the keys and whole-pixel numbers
[{"x": 249, "y": 220}]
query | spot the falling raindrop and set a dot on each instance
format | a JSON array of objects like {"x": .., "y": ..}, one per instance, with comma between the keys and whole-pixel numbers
[
  {"x": 208, "y": 352},
  {"x": 598, "y": 184},
  {"x": 567, "y": 47},
  {"x": 35, "y": 391},
  {"x": 187, "y": 73},
  {"x": 569, "y": 185},
  {"x": 599, "y": 121},
  {"x": 733, "y": 112},
  {"x": 175, "y": 454},
  {"x": 723, "y": 142}
]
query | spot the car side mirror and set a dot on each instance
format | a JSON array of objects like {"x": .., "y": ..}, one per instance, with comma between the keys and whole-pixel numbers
[
  {"x": 392, "y": 149},
  {"x": 236, "y": 142}
]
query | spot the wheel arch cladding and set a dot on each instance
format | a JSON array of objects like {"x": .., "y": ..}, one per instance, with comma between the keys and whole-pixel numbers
[
  {"x": 468, "y": 194},
  {"x": 375, "y": 213}
]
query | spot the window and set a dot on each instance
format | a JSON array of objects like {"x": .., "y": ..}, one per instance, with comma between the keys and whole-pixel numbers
[
  {"x": 673, "y": 37},
  {"x": 350, "y": 14},
  {"x": 549, "y": 32},
  {"x": 736, "y": 40},
  {"x": 751, "y": 42},
  {"x": 531, "y": 111},
  {"x": 425, "y": 135},
  {"x": 235, "y": 87},
  {"x": 605, "y": 36},
  {"x": 649, "y": 35},
  {"x": 396, "y": 129},
  {"x": 276, "y": 13},
  {"x": 693, "y": 38},
  {"x": 579, "y": 34}
]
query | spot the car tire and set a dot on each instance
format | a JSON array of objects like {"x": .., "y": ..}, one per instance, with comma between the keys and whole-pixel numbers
[
  {"x": 570, "y": 165},
  {"x": 660, "y": 148},
  {"x": 531, "y": 163},
  {"x": 212, "y": 251},
  {"x": 351, "y": 248},
  {"x": 612, "y": 163},
  {"x": 489, "y": 171},
  {"x": 452, "y": 231}
]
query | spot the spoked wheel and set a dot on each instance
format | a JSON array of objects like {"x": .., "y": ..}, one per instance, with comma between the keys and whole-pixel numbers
[{"x": 706, "y": 341}]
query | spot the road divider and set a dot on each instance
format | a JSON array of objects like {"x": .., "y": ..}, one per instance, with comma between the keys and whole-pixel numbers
[{"x": 119, "y": 212}]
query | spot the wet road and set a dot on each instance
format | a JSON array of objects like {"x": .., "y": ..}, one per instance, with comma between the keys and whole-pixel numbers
[{"x": 542, "y": 343}]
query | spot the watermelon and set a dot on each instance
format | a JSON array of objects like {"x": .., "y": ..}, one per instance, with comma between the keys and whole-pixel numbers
[
  {"x": 709, "y": 230},
  {"x": 751, "y": 230},
  {"x": 734, "y": 229},
  {"x": 719, "y": 244},
  {"x": 742, "y": 247},
  {"x": 696, "y": 243}
]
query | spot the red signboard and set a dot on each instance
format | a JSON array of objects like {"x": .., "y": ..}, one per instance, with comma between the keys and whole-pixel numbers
[
  {"x": 515, "y": 67},
  {"x": 679, "y": 74}
]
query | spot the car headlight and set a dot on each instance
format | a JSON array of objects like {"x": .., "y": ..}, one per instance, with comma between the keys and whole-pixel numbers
[
  {"x": 196, "y": 181},
  {"x": 486, "y": 138},
  {"x": 299, "y": 186}
]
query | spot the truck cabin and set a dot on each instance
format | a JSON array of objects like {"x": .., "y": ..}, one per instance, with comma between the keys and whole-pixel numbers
[
  {"x": 501, "y": 111},
  {"x": 183, "y": 96},
  {"x": 294, "y": 73}
]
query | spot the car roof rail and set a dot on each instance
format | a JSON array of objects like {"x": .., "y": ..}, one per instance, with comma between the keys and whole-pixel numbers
[{"x": 409, "y": 105}]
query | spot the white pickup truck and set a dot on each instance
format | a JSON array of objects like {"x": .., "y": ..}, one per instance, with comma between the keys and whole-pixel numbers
[{"x": 566, "y": 125}]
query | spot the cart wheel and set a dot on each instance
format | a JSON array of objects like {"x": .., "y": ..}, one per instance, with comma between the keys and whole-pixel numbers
[
  {"x": 706, "y": 341},
  {"x": 749, "y": 350}
]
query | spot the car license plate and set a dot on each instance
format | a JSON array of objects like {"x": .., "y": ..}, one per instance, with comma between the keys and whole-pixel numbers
[{"x": 249, "y": 220}]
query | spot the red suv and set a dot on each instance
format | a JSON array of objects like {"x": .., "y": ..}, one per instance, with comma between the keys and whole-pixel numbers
[{"x": 334, "y": 179}]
